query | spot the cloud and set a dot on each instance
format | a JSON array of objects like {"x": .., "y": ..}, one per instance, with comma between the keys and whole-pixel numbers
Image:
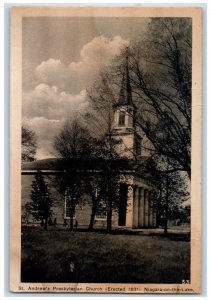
[
  {"x": 79, "y": 75},
  {"x": 46, "y": 101},
  {"x": 49, "y": 70},
  {"x": 45, "y": 130},
  {"x": 60, "y": 90},
  {"x": 101, "y": 49},
  {"x": 45, "y": 109}
]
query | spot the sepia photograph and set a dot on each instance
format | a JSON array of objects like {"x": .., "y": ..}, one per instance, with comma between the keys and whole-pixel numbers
[{"x": 106, "y": 153}]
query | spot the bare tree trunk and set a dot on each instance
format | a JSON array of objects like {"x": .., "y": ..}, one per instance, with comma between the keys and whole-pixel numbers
[
  {"x": 109, "y": 218},
  {"x": 91, "y": 223},
  {"x": 72, "y": 206},
  {"x": 165, "y": 226},
  {"x": 71, "y": 219},
  {"x": 166, "y": 206},
  {"x": 46, "y": 224}
]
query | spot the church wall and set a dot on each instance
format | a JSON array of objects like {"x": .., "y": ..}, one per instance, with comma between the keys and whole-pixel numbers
[
  {"x": 138, "y": 213},
  {"x": 83, "y": 215},
  {"x": 82, "y": 212},
  {"x": 126, "y": 146},
  {"x": 58, "y": 208}
]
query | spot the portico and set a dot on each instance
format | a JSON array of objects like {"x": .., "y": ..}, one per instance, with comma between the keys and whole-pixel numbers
[
  {"x": 140, "y": 202},
  {"x": 144, "y": 207}
]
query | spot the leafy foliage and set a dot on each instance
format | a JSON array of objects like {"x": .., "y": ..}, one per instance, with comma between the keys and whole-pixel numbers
[
  {"x": 42, "y": 202},
  {"x": 73, "y": 144},
  {"x": 29, "y": 144},
  {"x": 174, "y": 191},
  {"x": 73, "y": 141}
]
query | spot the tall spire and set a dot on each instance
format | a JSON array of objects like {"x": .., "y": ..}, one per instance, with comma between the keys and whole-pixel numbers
[{"x": 125, "y": 95}]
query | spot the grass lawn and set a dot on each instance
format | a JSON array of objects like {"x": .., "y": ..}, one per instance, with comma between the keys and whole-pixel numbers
[{"x": 101, "y": 257}]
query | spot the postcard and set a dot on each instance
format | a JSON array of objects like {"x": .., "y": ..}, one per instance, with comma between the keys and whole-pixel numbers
[{"x": 105, "y": 161}]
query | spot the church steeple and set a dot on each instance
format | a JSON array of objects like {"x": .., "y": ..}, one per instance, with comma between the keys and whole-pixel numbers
[
  {"x": 125, "y": 95},
  {"x": 125, "y": 110},
  {"x": 124, "y": 129}
]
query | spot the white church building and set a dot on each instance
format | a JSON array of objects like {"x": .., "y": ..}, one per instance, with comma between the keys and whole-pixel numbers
[{"x": 138, "y": 195}]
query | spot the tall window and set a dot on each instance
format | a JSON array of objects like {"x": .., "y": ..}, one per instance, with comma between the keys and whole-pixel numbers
[
  {"x": 101, "y": 213},
  {"x": 121, "y": 118},
  {"x": 67, "y": 205}
]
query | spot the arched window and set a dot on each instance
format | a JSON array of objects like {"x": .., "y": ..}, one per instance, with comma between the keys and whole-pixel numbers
[{"x": 121, "y": 118}]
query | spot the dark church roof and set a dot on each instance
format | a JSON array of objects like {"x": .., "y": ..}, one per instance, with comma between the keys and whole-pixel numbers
[
  {"x": 141, "y": 167},
  {"x": 59, "y": 164}
]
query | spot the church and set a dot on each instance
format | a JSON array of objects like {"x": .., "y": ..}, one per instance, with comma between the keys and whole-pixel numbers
[{"x": 138, "y": 194}]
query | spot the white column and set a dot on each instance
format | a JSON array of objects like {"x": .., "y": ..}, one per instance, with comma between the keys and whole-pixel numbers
[
  {"x": 154, "y": 209},
  {"x": 135, "y": 206},
  {"x": 141, "y": 208},
  {"x": 151, "y": 196},
  {"x": 146, "y": 208},
  {"x": 129, "y": 213}
]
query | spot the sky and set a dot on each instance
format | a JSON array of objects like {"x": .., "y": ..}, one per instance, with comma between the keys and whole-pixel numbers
[{"x": 62, "y": 57}]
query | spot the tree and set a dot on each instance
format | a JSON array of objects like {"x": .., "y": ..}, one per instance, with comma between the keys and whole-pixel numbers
[
  {"x": 42, "y": 202},
  {"x": 94, "y": 188},
  {"x": 162, "y": 82},
  {"x": 110, "y": 175},
  {"x": 29, "y": 144},
  {"x": 160, "y": 68},
  {"x": 73, "y": 141},
  {"x": 102, "y": 100},
  {"x": 173, "y": 190},
  {"x": 74, "y": 146},
  {"x": 161, "y": 89}
]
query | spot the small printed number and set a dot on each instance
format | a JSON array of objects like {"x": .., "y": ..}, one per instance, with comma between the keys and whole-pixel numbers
[{"x": 185, "y": 281}]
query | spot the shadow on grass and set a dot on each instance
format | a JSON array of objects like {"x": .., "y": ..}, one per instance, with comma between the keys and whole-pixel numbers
[
  {"x": 99, "y": 257},
  {"x": 175, "y": 236},
  {"x": 170, "y": 236}
]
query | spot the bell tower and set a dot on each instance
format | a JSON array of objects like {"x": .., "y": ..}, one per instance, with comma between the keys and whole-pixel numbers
[{"x": 124, "y": 129}]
